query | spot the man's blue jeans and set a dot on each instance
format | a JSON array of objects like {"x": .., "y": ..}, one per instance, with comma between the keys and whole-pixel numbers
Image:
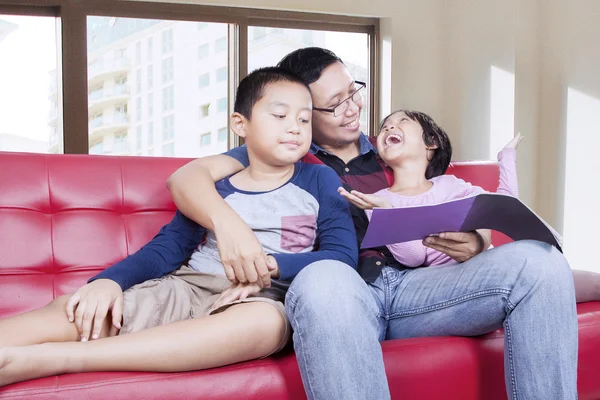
[{"x": 525, "y": 287}]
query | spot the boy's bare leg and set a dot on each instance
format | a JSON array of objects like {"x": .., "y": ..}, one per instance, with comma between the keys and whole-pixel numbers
[
  {"x": 587, "y": 285},
  {"x": 47, "y": 324},
  {"x": 242, "y": 332}
]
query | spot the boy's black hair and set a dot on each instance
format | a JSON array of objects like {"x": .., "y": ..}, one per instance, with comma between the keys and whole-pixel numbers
[
  {"x": 308, "y": 63},
  {"x": 433, "y": 134},
  {"x": 251, "y": 88}
]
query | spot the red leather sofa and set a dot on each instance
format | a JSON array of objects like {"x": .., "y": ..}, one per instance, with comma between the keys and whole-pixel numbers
[{"x": 63, "y": 218}]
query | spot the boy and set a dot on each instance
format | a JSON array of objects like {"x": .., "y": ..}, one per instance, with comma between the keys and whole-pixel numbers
[{"x": 292, "y": 208}]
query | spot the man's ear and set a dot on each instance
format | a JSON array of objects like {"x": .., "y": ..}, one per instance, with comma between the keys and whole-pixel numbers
[{"x": 238, "y": 124}]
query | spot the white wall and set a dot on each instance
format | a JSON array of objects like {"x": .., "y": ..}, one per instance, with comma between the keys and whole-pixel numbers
[{"x": 569, "y": 123}]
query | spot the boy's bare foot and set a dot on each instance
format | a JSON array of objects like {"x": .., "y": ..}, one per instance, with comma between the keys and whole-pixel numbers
[
  {"x": 19, "y": 364},
  {"x": 514, "y": 143}
]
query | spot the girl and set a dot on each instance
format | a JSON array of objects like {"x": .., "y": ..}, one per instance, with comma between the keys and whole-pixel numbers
[{"x": 419, "y": 153}]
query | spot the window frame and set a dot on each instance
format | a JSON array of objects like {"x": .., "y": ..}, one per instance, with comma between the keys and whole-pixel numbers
[{"x": 72, "y": 25}]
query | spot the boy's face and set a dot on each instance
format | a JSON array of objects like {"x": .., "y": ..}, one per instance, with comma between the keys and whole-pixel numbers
[{"x": 279, "y": 132}]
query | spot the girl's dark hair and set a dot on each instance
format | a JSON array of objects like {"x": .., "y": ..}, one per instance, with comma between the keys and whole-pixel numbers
[
  {"x": 309, "y": 62},
  {"x": 433, "y": 134}
]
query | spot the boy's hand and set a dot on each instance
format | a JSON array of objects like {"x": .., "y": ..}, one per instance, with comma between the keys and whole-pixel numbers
[
  {"x": 514, "y": 143},
  {"x": 89, "y": 305},
  {"x": 364, "y": 201},
  {"x": 242, "y": 255},
  {"x": 237, "y": 291}
]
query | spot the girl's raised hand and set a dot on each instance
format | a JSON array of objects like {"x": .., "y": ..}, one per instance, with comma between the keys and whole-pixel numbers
[
  {"x": 364, "y": 201},
  {"x": 514, "y": 143}
]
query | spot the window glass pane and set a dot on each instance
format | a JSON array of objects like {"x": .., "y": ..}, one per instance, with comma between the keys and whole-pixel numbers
[
  {"x": 166, "y": 82},
  {"x": 222, "y": 134},
  {"x": 220, "y": 45},
  {"x": 167, "y": 70},
  {"x": 203, "y": 51},
  {"x": 204, "y": 81},
  {"x": 267, "y": 46},
  {"x": 222, "y": 105},
  {"x": 168, "y": 149},
  {"x": 222, "y": 74},
  {"x": 205, "y": 140},
  {"x": 30, "y": 93}
]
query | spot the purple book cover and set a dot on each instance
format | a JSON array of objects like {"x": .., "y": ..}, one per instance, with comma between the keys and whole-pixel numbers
[{"x": 499, "y": 212}]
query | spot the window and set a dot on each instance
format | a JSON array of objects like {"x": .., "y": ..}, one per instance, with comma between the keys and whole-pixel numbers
[
  {"x": 223, "y": 135},
  {"x": 263, "y": 52},
  {"x": 205, "y": 139},
  {"x": 203, "y": 80},
  {"x": 222, "y": 104},
  {"x": 138, "y": 82},
  {"x": 167, "y": 41},
  {"x": 112, "y": 54},
  {"x": 167, "y": 70},
  {"x": 150, "y": 105},
  {"x": 168, "y": 150},
  {"x": 220, "y": 45},
  {"x": 149, "y": 49},
  {"x": 150, "y": 133},
  {"x": 138, "y": 53},
  {"x": 138, "y": 108},
  {"x": 138, "y": 138},
  {"x": 30, "y": 93},
  {"x": 204, "y": 110},
  {"x": 120, "y": 144},
  {"x": 222, "y": 74},
  {"x": 149, "y": 76},
  {"x": 203, "y": 51},
  {"x": 168, "y": 127},
  {"x": 97, "y": 147},
  {"x": 168, "y": 98}
]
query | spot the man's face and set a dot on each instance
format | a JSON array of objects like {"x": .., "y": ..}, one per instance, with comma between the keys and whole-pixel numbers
[
  {"x": 279, "y": 132},
  {"x": 335, "y": 85}
]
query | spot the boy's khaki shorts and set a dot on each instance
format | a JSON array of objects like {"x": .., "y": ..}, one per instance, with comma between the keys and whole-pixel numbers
[{"x": 183, "y": 294}]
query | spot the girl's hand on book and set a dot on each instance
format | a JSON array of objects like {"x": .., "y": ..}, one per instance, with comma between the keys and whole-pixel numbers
[
  {"x": 364, "y": 201},
  {"x": 514, "y": 143}
]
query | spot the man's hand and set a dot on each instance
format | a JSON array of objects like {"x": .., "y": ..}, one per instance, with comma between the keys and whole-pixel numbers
[
  {"x": 89, "y": 305},
  {"x": 237, "y": 291},
  {"x": 242, "y": 255},
  {"x": 460, "y": 246},
  {"x": 364, "y": 201}
]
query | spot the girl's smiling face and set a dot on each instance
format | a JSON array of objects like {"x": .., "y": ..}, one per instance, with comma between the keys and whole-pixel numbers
[{"x": 401, "y": 139}]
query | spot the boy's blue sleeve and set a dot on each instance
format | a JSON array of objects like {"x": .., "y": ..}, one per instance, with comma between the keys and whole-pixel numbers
[
  {"x": 174, "y": 243},
  {"x": 336, "y": 237},
  {"x": 241, "y": 154}
]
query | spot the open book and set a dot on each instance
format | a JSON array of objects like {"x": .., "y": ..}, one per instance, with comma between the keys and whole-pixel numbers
[{"x": 495, "y": 211}]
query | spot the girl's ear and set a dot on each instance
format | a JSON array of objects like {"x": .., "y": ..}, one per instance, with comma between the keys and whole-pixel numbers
[{"x": 238, "y": 124}]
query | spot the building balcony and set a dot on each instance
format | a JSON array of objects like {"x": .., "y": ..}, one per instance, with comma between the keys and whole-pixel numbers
[
  {"x": 107, "y": 125},
  {"x": 100, "y": 70},
  {"x": 107, "y": 98}
]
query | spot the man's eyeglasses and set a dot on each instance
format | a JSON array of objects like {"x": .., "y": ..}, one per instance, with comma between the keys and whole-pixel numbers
[{"x": 343, "y": 105}]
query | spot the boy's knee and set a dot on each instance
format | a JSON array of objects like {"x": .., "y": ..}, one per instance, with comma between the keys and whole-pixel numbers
[{"x": 60, "y": 302}]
